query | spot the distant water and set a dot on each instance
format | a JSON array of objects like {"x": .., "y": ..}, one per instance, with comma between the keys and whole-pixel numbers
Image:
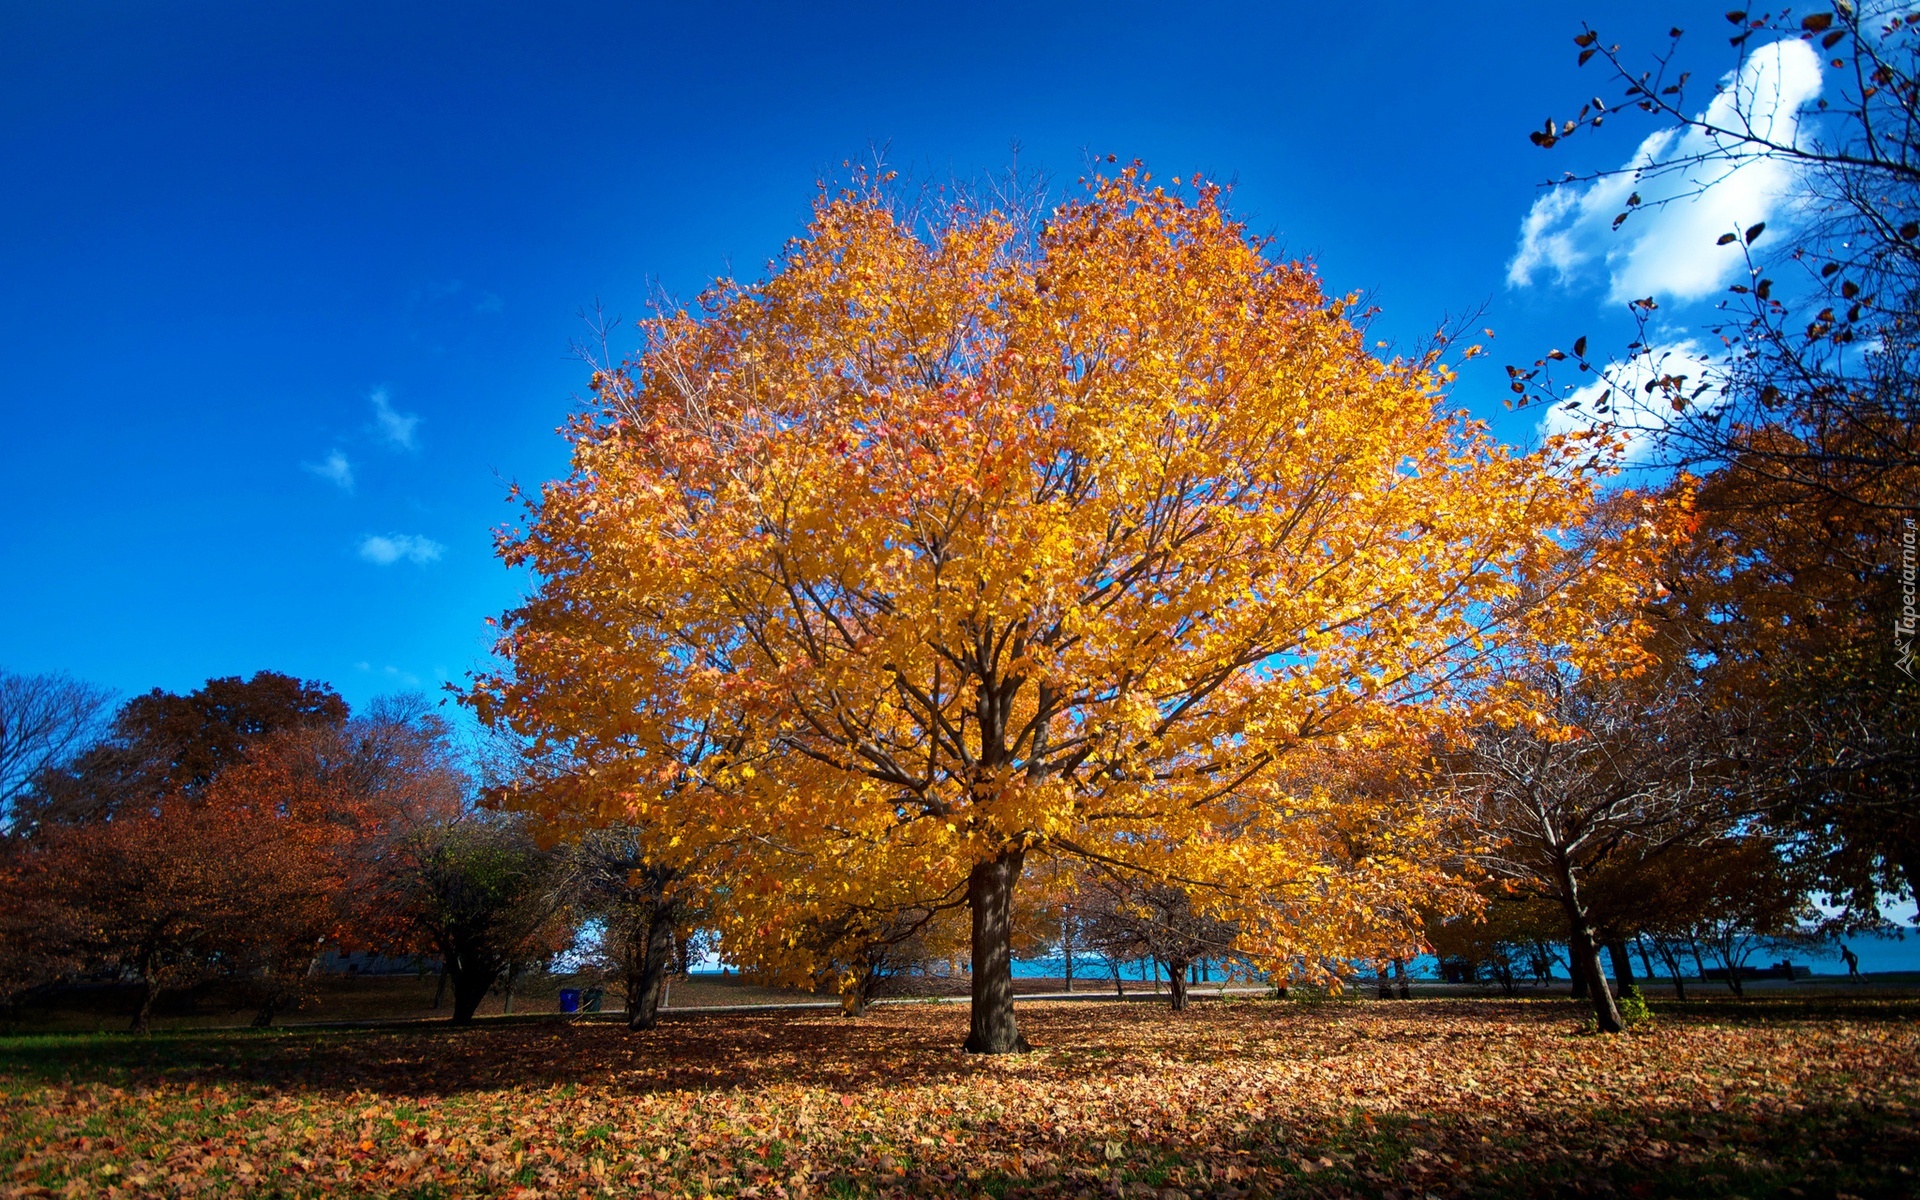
[{"x": 1877, "y": 954}]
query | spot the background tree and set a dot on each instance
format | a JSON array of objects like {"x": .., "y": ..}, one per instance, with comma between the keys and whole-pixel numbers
[
  {"x": 243, "y": 877},
  {"x": 480, "y": 891},
  {"x": 1749, "y": 899},
  {"x": 1788, "y": 604},
  {"x": 184, "y": 891},
  {"x": 365, "y": 787},
  {"x": 45, "y": 720},
  {"x": 997, "y": 540},
  {"x": 1593, "y": 763},
  {"x": 642, "y": 904},
  {"x": 162, "y": 744},
  {"x": 1126, "y": 917},
  {"x": 1512, "y": 934},
  {"x": 1805, "y": 421},
  {"x": 860, "y": 955}
]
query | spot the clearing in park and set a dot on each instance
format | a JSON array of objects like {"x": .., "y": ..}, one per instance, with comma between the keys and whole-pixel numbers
[{"x": 1765, "y": 1097}]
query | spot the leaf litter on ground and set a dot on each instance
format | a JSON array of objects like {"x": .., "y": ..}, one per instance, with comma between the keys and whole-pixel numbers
[{"x": 1250, "y": 1098}]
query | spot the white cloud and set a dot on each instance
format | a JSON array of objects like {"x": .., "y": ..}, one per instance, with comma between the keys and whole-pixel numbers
[
  {"x": 1636, "y": 414},
  {"x": 1668, "y": 250},
  {"x": 335, "y": 469},
  {"x": 396, "y": 428},
  {"x": 387, "y": 549}
]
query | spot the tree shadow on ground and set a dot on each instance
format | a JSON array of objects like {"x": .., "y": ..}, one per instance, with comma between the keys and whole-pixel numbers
[
  {"x": 817, "y": 1049},
  {"x": 1251, "y": 1098}
]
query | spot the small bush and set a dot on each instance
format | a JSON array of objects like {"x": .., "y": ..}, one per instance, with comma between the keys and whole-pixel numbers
[{"x": 1633, "y": 1006}]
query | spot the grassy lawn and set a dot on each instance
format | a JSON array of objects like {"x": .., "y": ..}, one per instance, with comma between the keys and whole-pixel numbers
[{"x": 1766, "y": 1097}]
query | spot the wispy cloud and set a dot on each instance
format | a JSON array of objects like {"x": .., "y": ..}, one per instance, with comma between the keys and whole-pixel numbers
[
  {"x": 395, "y": 428},
  {"x": 334, "y": 468},
  {"x": 386, "y": 549},
  {"x": 1668, "y": 249},
  {"x": 1637, "y": 411},
  {"x": 407, "y": 678}
]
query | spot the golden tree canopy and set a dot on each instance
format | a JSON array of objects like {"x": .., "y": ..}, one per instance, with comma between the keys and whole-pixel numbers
[{"x": 957, "y": 540}]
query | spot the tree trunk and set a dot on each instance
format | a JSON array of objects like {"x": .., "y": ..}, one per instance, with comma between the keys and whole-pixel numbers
[
  {"x": 513, "y": 975},
  {"x": 470, "y": 984},
  {"x": 1622, "y": 965},
  {"x": 1734, "y": 983},
  {"x": 855, "y": 1003},
  {"x": 1673, "y": 966},
  {"x": 1403, "y": 989},
  {"x": 1646, "y": 960},
  {"x": 440, "y": 989},
  {"x": 990, "y": 889},
  {"x": 1176, "y": 985},
  {"x": 647, "y": 970},
  {"x": 1066, "y": 948},
  {"x": 1119, "y": 987},
  {"x": 1583, "y": 957},
  {"x": 143, "y": 1016},
  {"x": 1579, "y": 977}
]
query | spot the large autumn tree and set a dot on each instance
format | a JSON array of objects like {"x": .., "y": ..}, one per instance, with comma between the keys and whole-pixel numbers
[{"x": 960, "y": 540}]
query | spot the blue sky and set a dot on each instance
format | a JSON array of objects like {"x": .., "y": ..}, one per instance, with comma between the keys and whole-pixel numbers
[{"x": 287, "y": 291}]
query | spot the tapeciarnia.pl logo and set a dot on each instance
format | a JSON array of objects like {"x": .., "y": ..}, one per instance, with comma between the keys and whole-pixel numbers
[{"x": 1906, "y": 620}]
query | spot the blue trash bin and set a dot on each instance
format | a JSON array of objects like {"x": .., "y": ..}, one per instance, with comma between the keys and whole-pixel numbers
[{"x": 569, "y": 1000}]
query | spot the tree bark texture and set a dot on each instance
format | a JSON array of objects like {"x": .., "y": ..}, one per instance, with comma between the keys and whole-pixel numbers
[
  {"x": 143, "y": 1016},
  {"x": 1646, "y": 959},
  {"x": 1177, "y": 985},
  {"x": 647, "y": 966},
  {"x": 270, "y": 1008},
  {"x": 1622, "y": 964},
  {"x": 855, "y": 1003},
  {"x": 1583, "y": 956},
  {"x": 990, "y": 889},
  {"x": 472, "y": 976},
  {"x": 513, "y": 976},
  {"x": 1673, "y": 968}
]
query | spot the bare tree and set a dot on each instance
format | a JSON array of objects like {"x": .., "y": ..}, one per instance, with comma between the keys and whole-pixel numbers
[
  {"x": 1814, "y": 389},
  {"x": 1127, "y": 917},
  {"x": 1639, "y": 762},
  {"x": 1805, "y": 418},
  {"x": 45, "y": 720}
]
